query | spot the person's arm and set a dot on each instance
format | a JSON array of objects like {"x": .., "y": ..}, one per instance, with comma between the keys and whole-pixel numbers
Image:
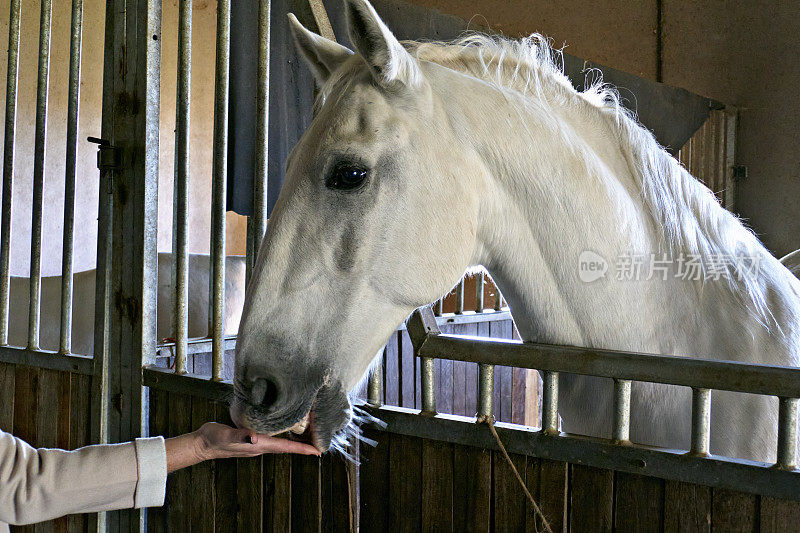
[{"x": 37, "y": 485}]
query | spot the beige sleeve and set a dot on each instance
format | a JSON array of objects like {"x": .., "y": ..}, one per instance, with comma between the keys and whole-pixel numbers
[{"x": 41, "y": 484}]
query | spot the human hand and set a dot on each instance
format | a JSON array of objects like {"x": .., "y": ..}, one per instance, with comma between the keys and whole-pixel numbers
[{"x": 218, "y": 441}]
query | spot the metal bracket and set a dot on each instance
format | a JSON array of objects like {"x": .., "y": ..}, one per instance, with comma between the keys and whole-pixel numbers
[{"x": 108, "y": 156}]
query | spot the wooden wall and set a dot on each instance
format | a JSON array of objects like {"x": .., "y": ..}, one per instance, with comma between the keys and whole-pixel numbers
[
  {"x": 268, "y": 493},
  {"x": 515, "y": 397},
  {"x": 47, "y": 408},
  {"x": 415, "y": 484}
]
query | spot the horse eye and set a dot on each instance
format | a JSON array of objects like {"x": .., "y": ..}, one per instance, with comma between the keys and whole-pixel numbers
[{"x": 346, "y": 177}]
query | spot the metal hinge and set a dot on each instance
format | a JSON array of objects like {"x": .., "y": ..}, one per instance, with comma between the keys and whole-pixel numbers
[{"x": 108, "y": 157}]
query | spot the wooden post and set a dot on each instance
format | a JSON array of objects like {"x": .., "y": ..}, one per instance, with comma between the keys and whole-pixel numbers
[{"x": 127, "y": 325}]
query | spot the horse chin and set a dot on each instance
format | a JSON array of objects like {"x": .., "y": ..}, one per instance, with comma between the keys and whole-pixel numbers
[{"x": 324, "y": 415}]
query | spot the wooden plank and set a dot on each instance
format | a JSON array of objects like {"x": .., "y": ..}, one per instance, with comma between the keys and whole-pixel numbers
[
  {"x": 202, "y": 476},
  {"x": 405, "y": 483},
  {"x": 437, "y": 486},
  {"x": 518, "y": 394},
  {"x": 159, "y": 425},
  {"x": 407, "y": 370},
  {"x": 687, "y": 507},
  {"x": 460, "y": 370},
  {"x": 79, "y": 400},
  {"x": 337, "y": 508},
  {"x": 7, "y": 373},
  {"x": 444, "y": 402},
  {"x": 25, "y": 412},
  {"x": 414, "y": 392},
  {"x": 734, "y": 511},
  {"x": 225, "y": 486},
  {"x": 306, "y": 493},
  {"x": 779, "y": 516},
  {"x": 552, "y": 493},
  {"x": 391, "y": 373},
  {"x": 591, "y": 498},
  {"x": 472, "y": 489},
  {"x": 509, "y": 498},
  {"x": 638, "y": 503},
  {"x": 250, "y": 494},
  {"x": 277, "y": 492},
  {"x": 179, "y": 486},
  {"x": 62, "y": 525},
  {"x": 46, "y": 422},
  {"x": 373, "y": 481}
]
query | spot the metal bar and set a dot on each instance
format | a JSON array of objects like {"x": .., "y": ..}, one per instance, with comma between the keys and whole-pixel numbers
[
  {"x": 73, "y": 106},
  {"x": 701, "y": 421},
  {"x": 180, "y": 202},
  {"x": 8, "y": 165},
  {"x": 485, "y": 391},
  {"x": 428, "y": 379},
  {"x": 550, "y": 403},
  {"x": 321, "y": 19},
  {"x": 438, "y": 308},
  {"x": 216, "y": 313},
  {"x": 79, "y": 364},
  {"x": 38, "y": 174},
  {"x": 460, "y": 297},
  {"x": 787, "y": 433},
  {"x": 469, "y": 317},
  {"x": 622, "y": 411},
  {"x": 262, "y": 129},
  {"x": 374, "y": 384},
  {"x": 685, "y": 371},
  {"x": 714, "y": 471},
  {"x": 479, "y": 284}
]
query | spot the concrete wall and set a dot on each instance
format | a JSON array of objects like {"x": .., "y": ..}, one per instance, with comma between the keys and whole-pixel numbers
[{"x": 742, "y": 53}]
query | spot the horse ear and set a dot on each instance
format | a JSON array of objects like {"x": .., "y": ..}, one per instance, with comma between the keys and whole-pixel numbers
[
  {"x": 389, "y": 61},
  {"x": 322, "y": 55}
]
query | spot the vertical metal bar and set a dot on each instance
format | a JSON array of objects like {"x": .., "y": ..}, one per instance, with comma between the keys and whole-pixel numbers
[
  {"x": 479, "y": 283},
  {"x": 622, "y": 411},
  {"x": 787, "y": 433},
  {"x": 485, "y": 391},
  {"x": 8, "y": 165},
  {"x": 701, "y": 421},
  {"x": 216, "y": 313},
  {"x": 428, "y": 392},
  {"x": 439, "y": 307},
  {"x": 73, "y": 106},
  {"x": 460, "y": 297},
  {"x": 180, "y": 201},
  {"x": 262, "y": 130},
  {"x": 249, "y": 258},
  {"x": 374, "y": 383},
  {"x": 498, "y": 298},
  {"x": 38, "y": 174},
  {"x": 550, "y": 403}
]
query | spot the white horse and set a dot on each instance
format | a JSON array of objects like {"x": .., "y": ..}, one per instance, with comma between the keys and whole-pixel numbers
[
  {"x": 426, "y": 159},
  {"x": 83, "y": 290}
]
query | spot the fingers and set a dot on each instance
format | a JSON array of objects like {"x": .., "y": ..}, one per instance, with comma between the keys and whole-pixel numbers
[{"x": 249, "y": 443}]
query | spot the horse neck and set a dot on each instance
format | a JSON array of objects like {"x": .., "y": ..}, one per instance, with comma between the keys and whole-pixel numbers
[{"x": 560, "y": 184}]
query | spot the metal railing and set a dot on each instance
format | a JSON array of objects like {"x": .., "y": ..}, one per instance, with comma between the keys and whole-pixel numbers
[
  {"x": 32, "y": 352},
  {"x": 781, "y": 479}
]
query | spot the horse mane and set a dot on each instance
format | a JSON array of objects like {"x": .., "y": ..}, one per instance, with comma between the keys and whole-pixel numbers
[{"x": 687, "y": 213}]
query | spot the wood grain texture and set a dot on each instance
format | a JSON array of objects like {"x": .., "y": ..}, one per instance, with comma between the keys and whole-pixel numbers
[
  {"x": 437, "y": 486},
  {"x": 337, "y": 507},
  {"x": 638, "y": 503},
  {"x": 374, "y": 483},
  {"x": 405, "y": 483},
  {"x": 249, "y": 494},
  {"x": 509, "y": 498},
  {"x": 179, "y": 483},
  {"x": 779, "y": 516},
  {"x": 472, "y": 489},
  {"x": 157, "y": 517},
  {"x": 224, "y": 471},
  {"x": 306, "y": 493},
  {"x": 591, "y": 498},
  {"x": 687, "y": 507},
  {"x": 277, "y": 493},
  {"x": 202, "y": 475},
  {"x": 7, "y": 373},
  {"x": 734, "y": 511}
]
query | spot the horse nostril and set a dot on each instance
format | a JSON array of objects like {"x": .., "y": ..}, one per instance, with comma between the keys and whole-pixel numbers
[{"x": 264, "y": 392}]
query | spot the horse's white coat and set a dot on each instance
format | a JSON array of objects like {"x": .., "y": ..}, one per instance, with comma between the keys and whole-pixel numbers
[{"x": 482, "y": 153}]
